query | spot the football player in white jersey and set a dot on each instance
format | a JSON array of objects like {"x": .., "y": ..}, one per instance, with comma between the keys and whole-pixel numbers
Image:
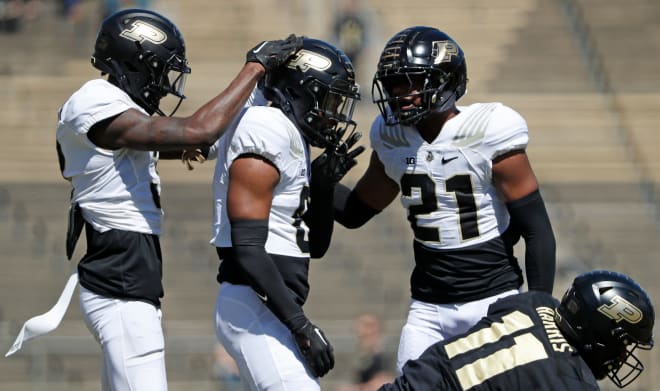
[
  {"x": 108, "y": 146},
  {"x": 464, "y": 178},
  {"x": 271, "y": 217}
]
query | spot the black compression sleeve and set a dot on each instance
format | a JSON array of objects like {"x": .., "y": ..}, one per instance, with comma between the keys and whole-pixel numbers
[
  {"x": 248, "y": 246},
  {"x": 350, "y": 210},
  {"x": 529, "y": 215}
]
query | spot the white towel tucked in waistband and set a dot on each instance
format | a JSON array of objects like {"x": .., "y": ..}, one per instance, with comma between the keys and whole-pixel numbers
[{"x": 46, "y": 322}]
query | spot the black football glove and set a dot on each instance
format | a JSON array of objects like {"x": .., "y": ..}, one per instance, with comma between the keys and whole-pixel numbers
[
  {"x": 316, "y": 349},
  {"x": 272, "y": 54},
  {"x": 331, "y": 166}
]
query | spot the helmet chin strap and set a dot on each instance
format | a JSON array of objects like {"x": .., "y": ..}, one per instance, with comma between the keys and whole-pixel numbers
[
  {"x": 119, "y": 77},
  {"x": 275, "y": 95},
  {"x": 444, "y": 101},
  {"x": 123, "y": 81}
]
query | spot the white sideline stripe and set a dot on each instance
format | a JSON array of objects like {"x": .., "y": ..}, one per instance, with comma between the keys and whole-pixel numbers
[{"x": 48, "y": 321}]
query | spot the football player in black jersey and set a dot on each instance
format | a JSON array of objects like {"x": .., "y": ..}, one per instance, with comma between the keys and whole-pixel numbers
[{"x": 531, "y": 341}]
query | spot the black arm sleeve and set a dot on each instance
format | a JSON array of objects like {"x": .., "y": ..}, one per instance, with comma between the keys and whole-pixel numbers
[
  {"x": 320, "y": 219},
  {"x": 530, "y": 217},
  {"x": 248, "y": 247},
  {"x": 350, "y": 210}
]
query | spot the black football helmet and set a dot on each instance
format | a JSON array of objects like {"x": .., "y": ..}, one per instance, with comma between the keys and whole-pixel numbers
[
  {"x": 419, "y": 53},
  {"x": 144, "y": 54},
  {"x": 316, "y": 89},
  {"x": 606, "y": 316}
]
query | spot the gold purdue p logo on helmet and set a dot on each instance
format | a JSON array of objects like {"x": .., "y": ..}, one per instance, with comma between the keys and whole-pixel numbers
[
  {"x": 443, "y": 51},
  {"x": 306, "y": 59},
  {"x": 142, "y": 31},
  {"x": 621, "y": 309}
]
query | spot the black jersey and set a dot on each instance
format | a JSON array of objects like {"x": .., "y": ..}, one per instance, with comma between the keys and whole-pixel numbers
[
  {"x": 464, "y": 274},
  {"x": 517, "y": 346},
  {"x": 122, "y": 264}
]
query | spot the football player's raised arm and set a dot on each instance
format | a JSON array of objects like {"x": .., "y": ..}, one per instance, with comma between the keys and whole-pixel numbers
[
  {"x": 515, "y": 180},
  {"x": 373, "y": 193},
  {"x": 135, "y": 130}
]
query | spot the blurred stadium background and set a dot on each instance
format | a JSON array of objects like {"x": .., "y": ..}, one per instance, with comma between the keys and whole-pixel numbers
[{"x": 584, "y": 73}]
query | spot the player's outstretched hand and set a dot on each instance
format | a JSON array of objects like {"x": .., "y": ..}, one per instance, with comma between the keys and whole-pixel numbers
[
  {"x": 272, "y": 54},
  {"x": 192, "y": 155},
  {"x": 333, "y": 164},
  {"x": 316, "y": 349}
]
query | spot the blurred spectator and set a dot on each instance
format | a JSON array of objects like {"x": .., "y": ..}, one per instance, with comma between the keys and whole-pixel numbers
[
  {"x": 112, "y": 6},
  {"x": 350, "y": 30},
  {"x": 225, "y": 370},
  {"x": 14, "y": 12},
  {"x": 373, "y": 367},
  {"x": 11, "y": 13},
  {"x": 71, "y": 11}
]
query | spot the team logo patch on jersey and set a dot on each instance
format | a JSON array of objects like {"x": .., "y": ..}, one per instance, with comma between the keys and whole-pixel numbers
[
  {"x": 443, "y": 51},
  {"x": 142, "y": 31}
]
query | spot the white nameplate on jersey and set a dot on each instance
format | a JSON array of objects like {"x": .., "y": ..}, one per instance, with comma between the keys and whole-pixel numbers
[{"x": 46, "y": 322}]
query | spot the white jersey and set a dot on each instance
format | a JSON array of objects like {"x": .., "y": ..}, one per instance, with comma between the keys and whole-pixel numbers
[
  {"x": 447, "y": 185},
  {"x": 267, "y": 132},
  {"x": 256, "y": 98},
  {"x": 117, "y": 189}
]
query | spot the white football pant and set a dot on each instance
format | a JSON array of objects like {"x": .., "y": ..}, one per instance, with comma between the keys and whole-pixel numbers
[
  {"x": 430, "y": 323},
  {"x": 263, "y": 348},
  {"x": 131, "y": 338}
]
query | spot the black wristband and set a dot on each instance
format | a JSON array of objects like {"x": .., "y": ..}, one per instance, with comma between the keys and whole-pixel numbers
[{"x": 248, "y": 250}]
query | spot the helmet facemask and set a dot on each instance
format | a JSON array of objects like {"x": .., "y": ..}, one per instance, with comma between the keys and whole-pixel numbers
[
  {"x": 432, "y": 86},
  {"x": 626, "y": 367},
  {"x": 330, "y": 116},
  {"x": 165, "y": 78}
]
